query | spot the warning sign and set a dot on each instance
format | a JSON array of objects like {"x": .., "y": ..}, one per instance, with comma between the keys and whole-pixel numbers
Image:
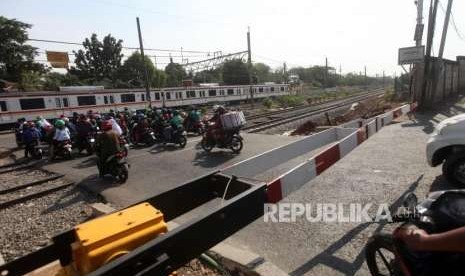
[{"x": 58, "y": 59}]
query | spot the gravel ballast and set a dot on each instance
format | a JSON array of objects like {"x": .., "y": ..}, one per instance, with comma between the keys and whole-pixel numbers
[{"x": 29, "y": 226}]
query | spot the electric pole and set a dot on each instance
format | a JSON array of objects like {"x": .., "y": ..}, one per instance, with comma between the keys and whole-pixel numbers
[
  {"x": 326, "y": 72},
  {"x": 147, "y": 82},
  {"x": 285, "y": 72},
  {"x": 384, "y": 78},
  {"x": 444, "y": 30},
  {"x": 366, "y": 83},
  {"x": 249, "y": 63},
  {"x": 429, "y": 44},
  {"x": 420, "y": 26}
]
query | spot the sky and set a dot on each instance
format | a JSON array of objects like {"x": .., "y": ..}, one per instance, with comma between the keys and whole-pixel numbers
[{"x": 351, "y": 34}]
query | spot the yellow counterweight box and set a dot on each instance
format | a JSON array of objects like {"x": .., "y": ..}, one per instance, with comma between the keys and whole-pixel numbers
[{"x": 104, "y": 239}]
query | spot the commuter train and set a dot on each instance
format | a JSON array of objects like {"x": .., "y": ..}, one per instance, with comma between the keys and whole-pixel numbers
[{"x": 52, "y": 104}]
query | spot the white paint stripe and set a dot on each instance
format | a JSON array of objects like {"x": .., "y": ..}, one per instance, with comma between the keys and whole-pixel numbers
[
  {"x": 297, "y": 177},
  {"x": 406, "y": 108},
  {"x": 348, "y": 144},
  {"x": 270, "y": 159}
]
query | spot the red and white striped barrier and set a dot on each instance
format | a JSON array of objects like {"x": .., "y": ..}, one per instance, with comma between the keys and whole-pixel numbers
[{"x": 306, "y": 171}]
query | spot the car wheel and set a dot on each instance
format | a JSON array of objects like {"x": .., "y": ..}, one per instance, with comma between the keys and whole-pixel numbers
[{"x": 454, "y": 169}]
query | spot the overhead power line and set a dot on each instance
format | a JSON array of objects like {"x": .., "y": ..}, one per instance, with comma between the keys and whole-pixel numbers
[
  {"x": 454, "y": 25},
  {"x": 130, "y": 48}
]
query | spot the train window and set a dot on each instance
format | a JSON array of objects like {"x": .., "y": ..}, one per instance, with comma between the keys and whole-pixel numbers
[
  {"x": 105, "y": 99},
  {"x": 112, "y": 99},
  {"x": 3, "y": 106},
  {"x": 86, "y": 100},
  {"x": 202, "y": 94},
  {"x": 65, "y": 102},
  {"x": 142, "y": 97},
  {"x": 238, "y": 91},
  {"x": 212, "y": 93},
  {"x": 230, "y": 91},
  {"x": 282, "y": 88},
  {"x": 190, "y": 94},
  {"x": 221, "y": 92},
  {"x": 168, "y": 95},
  {"x": 157, "y": 96},
  {"x": 125, "y": 98},
  {"x": 58, "y": 102},
  {"x": 260, "y": 89},
  {"x": 272, "y": 89},
  {"x": 36, "y": 103},
  {"x": 178, "y": 95}
]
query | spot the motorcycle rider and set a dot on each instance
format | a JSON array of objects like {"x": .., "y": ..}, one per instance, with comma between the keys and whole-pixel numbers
[
  {"x": 31, "y": 137},
  {"x": 84, "y": 128},
  {"x": 192, "y": 118},
  {"x": 175, "y": 123},
  {"x": 61, "y": 135},
  {"x": 217, "y": 127},
  {"x": 419, "y": 240},
  {"x": 106, "y": 145}
]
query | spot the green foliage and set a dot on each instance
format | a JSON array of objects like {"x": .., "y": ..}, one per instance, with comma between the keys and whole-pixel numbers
[
  {"x": 290, "y": 100},
  {"x": 208, "y": 76},
  {"x": 30, "y": 81},
  {"x": 53, "y": 80},
  {"x": 262, "y": 72},
  {"x": 268, "y": 103},
  {"x": 175, "y": 73},
  {"x": 235, "y": 72},
  {"x": 132, "y": 73},
  {"x": 16, "y": 58},
  {"x": 99, "y": 60}
]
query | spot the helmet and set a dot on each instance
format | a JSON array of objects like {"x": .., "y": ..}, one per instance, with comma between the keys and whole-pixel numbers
[
  {"x": 59, "y": 123},
  {"x": 106, "y": 125},
  {"x": 220, "y": 109},
  {"x": 175, "y": 112}
]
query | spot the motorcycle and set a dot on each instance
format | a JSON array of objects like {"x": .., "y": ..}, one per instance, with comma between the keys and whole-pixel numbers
[
  {"x": 35, "y": 150},
  {"x": 387, "y": 254},
  {"x": 232, "y": 140},
  {"x": 124, "y": 145},
  {"x": 19, "y": 137},
  {"x": 147, "y": 137},
  {"x": 87, "y": 144},
  {"x": 175, "y": 136},
  {"x": 63, "y": 149},
  {"x": 196, "y": 127},
  {"x": 117, "y": 166}
]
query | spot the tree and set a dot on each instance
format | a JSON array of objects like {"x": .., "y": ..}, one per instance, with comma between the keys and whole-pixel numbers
[
  {"x": 53, "y": 81},
  {"x": 99, "y": 60},
  {"x": 175, "y": 73},
  {"x": 16, "y": 58},
  {"x": 235, "y": 71},
  {"x": 208, "y": 76},
  {"x": 263, "y": 72},
  {"x": 132, "y": 72}
]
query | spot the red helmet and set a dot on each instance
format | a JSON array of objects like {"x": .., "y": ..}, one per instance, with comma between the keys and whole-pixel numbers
[{"x": 106, "y": 125}]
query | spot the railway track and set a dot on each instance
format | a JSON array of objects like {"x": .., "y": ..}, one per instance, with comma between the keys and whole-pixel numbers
[
  {"x": 35, "y": 205},
  {"x": 267, "y": 121},
  {"x": 23, "y": 182}
]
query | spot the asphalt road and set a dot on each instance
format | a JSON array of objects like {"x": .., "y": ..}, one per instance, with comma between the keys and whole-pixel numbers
[{"x": 157, "y": 169}]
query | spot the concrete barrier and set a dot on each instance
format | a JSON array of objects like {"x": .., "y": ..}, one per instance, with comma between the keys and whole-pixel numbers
[{"x": 347, "y": 137}]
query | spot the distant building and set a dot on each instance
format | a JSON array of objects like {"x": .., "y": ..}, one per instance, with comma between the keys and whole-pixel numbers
[{"x": 294, "y": 79}]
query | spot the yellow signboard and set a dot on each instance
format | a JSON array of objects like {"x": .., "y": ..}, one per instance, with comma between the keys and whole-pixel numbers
[{"x": 58, "y": 59}]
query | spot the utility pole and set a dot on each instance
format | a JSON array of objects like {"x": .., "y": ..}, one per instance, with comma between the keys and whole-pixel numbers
[
  {"x": 384, "y": 78},
  {"x": 249, "y": 63},
  {"x": 429, "y": 44},
  {"x": 285, "y": 72},
  {"x": 420, "y": 26},
  {"x": 444, "y": 30},
  {"x": 326, "y": 72},
  {"x": 340, "y": 71},
  {"x": 147, "y": 82},
  {"x": 366, "y": 83}
]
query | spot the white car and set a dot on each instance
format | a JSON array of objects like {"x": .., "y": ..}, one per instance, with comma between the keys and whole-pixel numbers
[{"x": 447, "y": 146}]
